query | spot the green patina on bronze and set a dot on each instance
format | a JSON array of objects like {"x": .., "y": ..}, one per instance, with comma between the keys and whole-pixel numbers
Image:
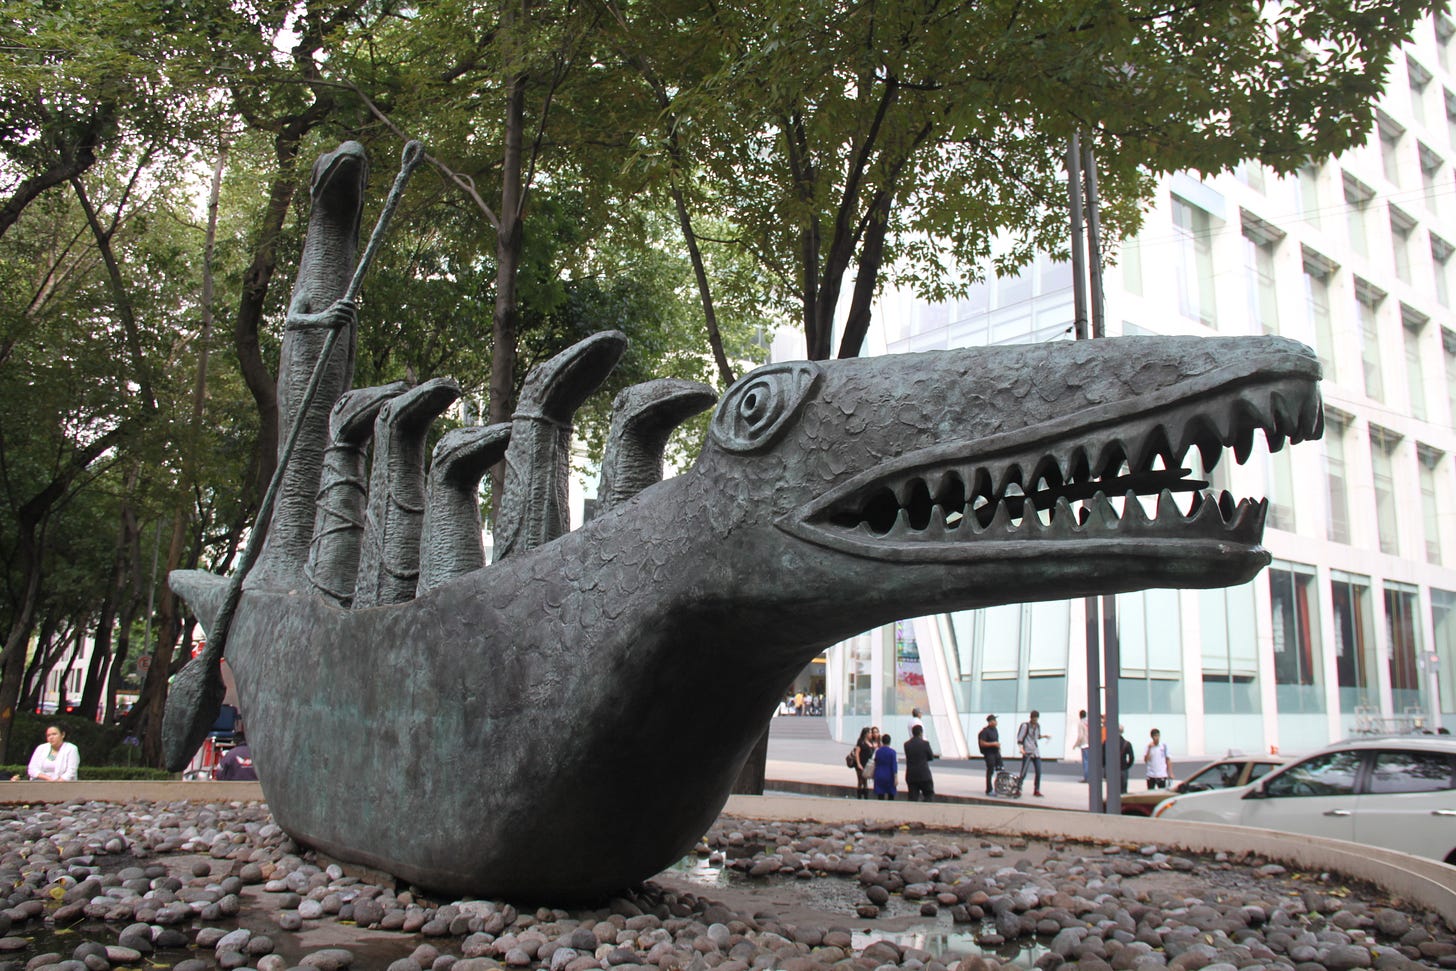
[{"x": 568, "y": 720}]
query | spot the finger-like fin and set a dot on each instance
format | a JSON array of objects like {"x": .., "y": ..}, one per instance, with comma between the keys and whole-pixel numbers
[
  {"x": 324, "y": 269},
  {"x": 643, "y": 418},
  {"x": 203, "y": 592},
  {"x": 450, "y": 544},
  {"x": 333, "y": 557},
  {"x": 533, "y": 507},
  {"x": 389, "y": 561}
]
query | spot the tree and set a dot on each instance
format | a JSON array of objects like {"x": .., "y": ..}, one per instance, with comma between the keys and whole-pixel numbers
[{"x": 842, "y": 137}]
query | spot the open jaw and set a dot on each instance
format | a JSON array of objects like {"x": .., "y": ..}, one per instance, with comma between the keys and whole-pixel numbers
[{"x": 1089, "y": 482}]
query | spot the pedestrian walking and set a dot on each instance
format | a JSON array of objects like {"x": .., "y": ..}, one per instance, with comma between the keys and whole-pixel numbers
[
  {"x": 989, "y": 741},
  {"x": 1029, "y": 737},
  {"x": 887, "y": 769},
  {"x": 917, "y": 766},
  {"x": 1082, "y": 743},
  {"x": 1160, "y": 765}
]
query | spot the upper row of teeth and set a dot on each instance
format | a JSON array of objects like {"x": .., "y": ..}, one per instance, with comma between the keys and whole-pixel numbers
[{"x": 1101, "y": 510}]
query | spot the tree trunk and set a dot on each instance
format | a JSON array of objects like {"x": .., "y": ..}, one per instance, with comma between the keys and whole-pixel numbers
[
  {"x": 116, "y": 594},
  {"x": 251, "y": 307},
  {"x": 509, "y": 236},
  {"x": 12, "y": 660},
  {"x": 153, "y": 701}
]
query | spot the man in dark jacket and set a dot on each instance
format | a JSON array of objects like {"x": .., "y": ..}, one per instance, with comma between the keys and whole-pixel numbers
[
  {"x": 990, "y": 742},
  {"x": 917, "y": 766},
  {"x": 1127, "y": 758},
  {"x": 237, "y": 764}
]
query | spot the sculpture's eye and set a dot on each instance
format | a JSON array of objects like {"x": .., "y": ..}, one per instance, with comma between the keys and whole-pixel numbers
[{"x": 759, "y": 405}]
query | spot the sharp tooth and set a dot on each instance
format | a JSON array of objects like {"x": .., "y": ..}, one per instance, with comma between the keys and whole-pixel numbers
[
  {"x": 1001, "y": 522},
  {"x": 1286, "y": 420},
  {"x": 1209, "y": 452},
  {"x": 1111, "y": 460},
  {"x": 935, "y": 529},
  {"x": 1064, "y": 520},
  {"x": 1153, "y": 447},
  {"x": 1205, "y": 508},
  {"x": 1167, "y": 506},
  {"x": 902, "y": 524},
  {"x": 1079, "y": 467},
  {"x": 1245, "y": 444},
  {"x": 1132, "y": 509},
  {"x": 1104, "y": 514}
]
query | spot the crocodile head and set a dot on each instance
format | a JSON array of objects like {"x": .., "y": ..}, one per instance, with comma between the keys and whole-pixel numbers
[{"x": 958, "y": 479}]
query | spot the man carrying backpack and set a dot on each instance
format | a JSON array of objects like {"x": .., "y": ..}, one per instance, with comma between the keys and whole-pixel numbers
[{"x": 1029, "y": 737}]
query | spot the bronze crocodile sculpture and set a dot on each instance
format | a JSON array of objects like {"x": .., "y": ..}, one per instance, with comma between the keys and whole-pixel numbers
[{"x": 568, "y": 720}]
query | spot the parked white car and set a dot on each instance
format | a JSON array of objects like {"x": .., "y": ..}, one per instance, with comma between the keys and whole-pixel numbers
[{"x": 1395, "y": 792}]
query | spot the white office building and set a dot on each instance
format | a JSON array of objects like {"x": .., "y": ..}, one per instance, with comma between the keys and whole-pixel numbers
[{"x": 1353, "y": 626}]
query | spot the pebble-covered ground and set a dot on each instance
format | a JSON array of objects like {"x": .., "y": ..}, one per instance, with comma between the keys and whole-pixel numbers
[{"x": 97, "y": 886}]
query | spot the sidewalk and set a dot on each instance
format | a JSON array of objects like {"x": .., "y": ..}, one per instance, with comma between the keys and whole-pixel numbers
[{"x": 803, "y": 759}]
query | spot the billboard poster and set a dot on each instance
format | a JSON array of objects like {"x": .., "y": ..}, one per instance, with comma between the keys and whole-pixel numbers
[{"x": 909, "y": 676}]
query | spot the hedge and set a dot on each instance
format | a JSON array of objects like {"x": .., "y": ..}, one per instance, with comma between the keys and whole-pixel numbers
[
  {"x": 100, "y": 745},
  {"x": 106, "y": 773}
]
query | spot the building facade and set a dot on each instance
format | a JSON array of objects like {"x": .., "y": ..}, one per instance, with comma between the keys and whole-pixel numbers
[{"x": 1353, "y": 626}]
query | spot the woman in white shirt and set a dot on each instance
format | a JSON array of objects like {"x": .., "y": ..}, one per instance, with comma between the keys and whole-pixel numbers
[{"x": 55, "y": 759}]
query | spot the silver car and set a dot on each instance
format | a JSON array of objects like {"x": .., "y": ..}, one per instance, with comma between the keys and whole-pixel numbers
[{"x": 1398, "y": 793}]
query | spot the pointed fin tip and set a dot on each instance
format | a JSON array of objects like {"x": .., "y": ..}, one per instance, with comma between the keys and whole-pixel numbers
[
  {"x": 556, "y": 389},
  {"x": 203, "y": 592}
]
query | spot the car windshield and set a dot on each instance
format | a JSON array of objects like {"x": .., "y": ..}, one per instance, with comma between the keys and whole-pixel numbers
[{"x": 1261, "y": 769}]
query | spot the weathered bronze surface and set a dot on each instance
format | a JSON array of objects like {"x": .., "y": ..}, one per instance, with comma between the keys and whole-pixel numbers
[{"x": 569, "y": 719}]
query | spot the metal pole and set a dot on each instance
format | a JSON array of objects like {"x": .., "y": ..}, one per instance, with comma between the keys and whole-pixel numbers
[
  {"x": 1079, "y": 258},
  {"x": 1112, "y": 647},
  {"x": 1095, "y": 766}
]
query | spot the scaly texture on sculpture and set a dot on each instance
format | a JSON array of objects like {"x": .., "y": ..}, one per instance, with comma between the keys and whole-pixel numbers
[{"x": 569, "y": 719}]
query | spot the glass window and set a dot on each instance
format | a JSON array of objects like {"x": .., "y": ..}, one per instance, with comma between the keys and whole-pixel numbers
[
  {"x": 1415, "y": 374},
  {"x": 1405, "y": 648},
  {"x": 1430, "y": 174},
  {"x": 1444, "y": 31},
  {"x": 1451, "y": 119},
  {"x": 1401, "y": 228},
  {"x": 1260, "y": 769},
  {"x": 1131, "y": 259},
  {"x": 1230, "y": 650},
  {"x": 1331, "y": 774},
  {"x": 1280, "y": 491},
  {"x": 1012, "y": 657},
  {"x": 1382, "y": 467},
  {"x": 1443, "y": 622},
  {"x": 1308, "y": 197},
  {"x": 1430, "y": 464},
  {"x": 1295, "y": 609},
  {"x": 1354, "y": 641},
  {"x": 1441, "y": 269},
  {"x": 1259, "y": 277},
  {"x": 1448, "y": 347},
  {"x": 1317, "y": 306},
  {"x": 1337, "y": 522},
  {"x": 1390, "y": 135},
  {"x": 1357, "y": 202},
  {"x": 1419, "y": 79},
  {"x": 1149, "y": 629},
  {"x": 1193, "y": 235},
  {"x": 1367, "y": 330},
  {"x": 1398, "y": 771}
]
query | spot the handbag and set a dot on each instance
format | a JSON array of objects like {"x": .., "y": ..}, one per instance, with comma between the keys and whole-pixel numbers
[{"x": 849, "y": 762}]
